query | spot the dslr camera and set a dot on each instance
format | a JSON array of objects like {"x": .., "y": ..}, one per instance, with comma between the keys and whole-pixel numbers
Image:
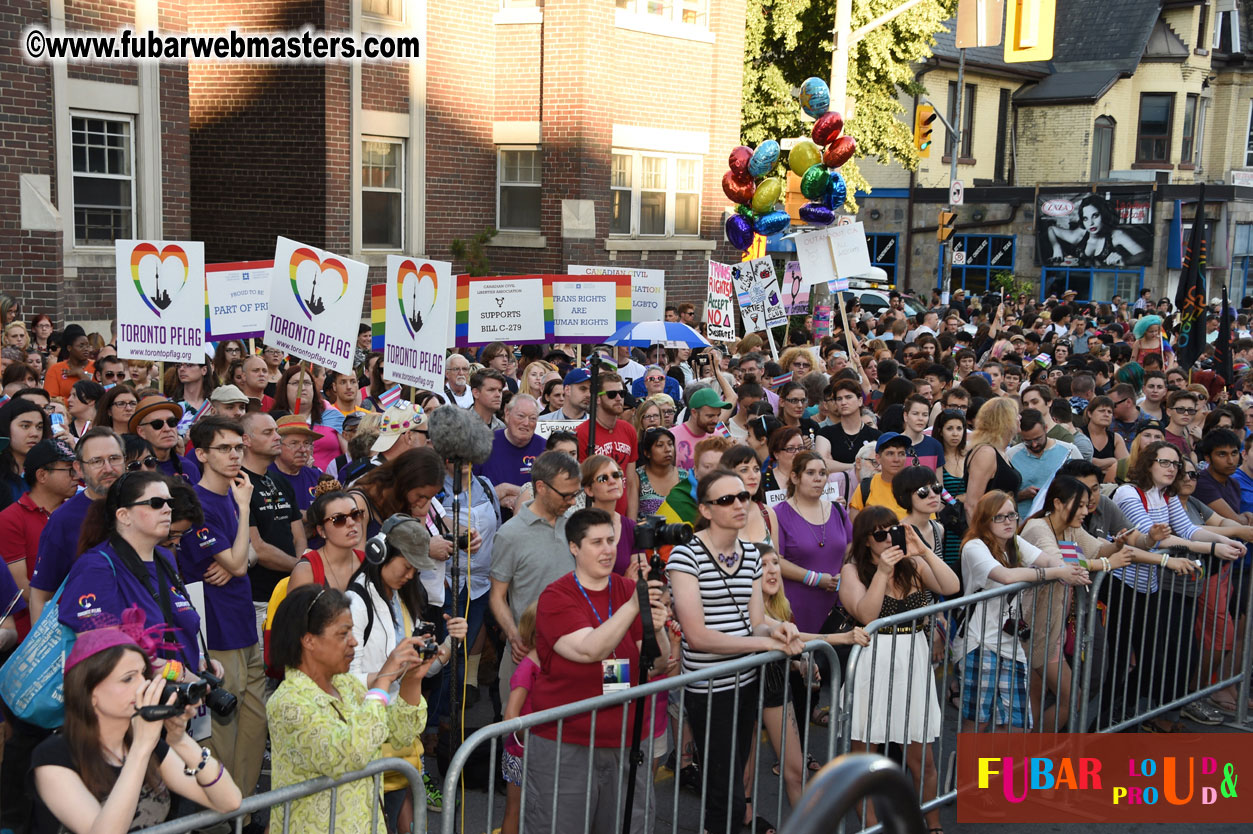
[
  {"x": 652, "y": 532},
  {"x": 1017, "y": 627},
  {"x": 210, "y": 689},
  {"x": 427, "y": 650}
]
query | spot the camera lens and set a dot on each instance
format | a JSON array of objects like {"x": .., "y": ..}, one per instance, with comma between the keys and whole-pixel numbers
[{"x": 221, "y": 702}]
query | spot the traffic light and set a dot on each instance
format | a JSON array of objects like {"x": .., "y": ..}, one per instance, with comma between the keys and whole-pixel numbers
[
  {"x": 924, "y": 115},
  {"x": 1029, "y": 30},
  {"x": 944, "y": 229}
]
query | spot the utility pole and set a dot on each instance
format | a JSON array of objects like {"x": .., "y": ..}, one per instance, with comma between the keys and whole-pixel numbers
[
  {"x": 956, "y": 151},
  {"x": 843, "y": 38}
]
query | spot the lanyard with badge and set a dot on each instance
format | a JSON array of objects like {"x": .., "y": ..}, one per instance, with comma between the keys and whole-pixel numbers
[{"x": 615, "y": 673}]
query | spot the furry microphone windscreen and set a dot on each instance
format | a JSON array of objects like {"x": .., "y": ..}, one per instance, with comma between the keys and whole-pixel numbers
[{"x": 458, "y": 434}]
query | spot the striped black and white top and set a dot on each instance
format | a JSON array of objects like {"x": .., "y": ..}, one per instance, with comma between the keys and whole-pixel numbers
[
  {"x": 1143, "y": 510},
  {"x": 724, "y": 598}
]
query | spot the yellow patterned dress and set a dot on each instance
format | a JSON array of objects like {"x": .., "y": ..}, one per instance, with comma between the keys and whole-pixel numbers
[{"x": 313, "y": 733}]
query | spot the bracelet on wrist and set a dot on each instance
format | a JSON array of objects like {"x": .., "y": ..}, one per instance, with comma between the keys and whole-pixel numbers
[
  {"x": 204, "y": 759},
  {"x": 380, "y": 695},
  {"x": 216, "y": 779},
  {"x": 1165, "y": 557},
  {"x": 1105, "y": 562}
]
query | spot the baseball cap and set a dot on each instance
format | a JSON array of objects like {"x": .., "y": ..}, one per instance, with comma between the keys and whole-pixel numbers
[
  {"x": 228, "y": 394},
  {"x": 577, "y": 376},
  {"x": 410, "y": 537},
  {"x": 396, "y": 421},
  {"x": 704, "y": 398},
  {"x": 43, "y": 454},
  {"x": 892, "y": 438},
  {"x": 1152, "y": 424},
  {"x": 352, "y": 420}
]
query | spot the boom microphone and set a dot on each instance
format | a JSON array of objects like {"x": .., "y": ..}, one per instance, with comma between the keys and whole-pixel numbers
[{"x": 459, "y": 435}]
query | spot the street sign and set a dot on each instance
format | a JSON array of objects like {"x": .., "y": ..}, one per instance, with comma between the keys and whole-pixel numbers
[
  {"x": 959, "y": 257},
  {"x": 956, "y": 193}
]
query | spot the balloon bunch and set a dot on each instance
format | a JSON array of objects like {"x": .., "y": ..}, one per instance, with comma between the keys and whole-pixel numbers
[{"x": 815, "y": 160}]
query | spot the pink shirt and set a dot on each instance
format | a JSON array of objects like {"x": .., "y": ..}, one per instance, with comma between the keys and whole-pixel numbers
[{"x": 685, "y": 445}]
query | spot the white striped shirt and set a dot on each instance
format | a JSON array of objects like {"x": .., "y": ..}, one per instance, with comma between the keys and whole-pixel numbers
[
  {"x": 1144, "y": 509},
  {"x": 724, "y": 612}
]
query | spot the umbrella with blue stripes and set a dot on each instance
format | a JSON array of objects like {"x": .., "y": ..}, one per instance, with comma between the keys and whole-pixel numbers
[{"x": 648, "y": 333}]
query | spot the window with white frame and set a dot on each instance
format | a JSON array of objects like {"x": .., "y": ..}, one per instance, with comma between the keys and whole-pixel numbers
[
  {"x": 1248, "y": 148},
  {"x": 389, "y": 10},
  {"x": 382, "y": 193},
  {"x": 104, "y": 179},
  {"x": 655, "y": 194},
  {"x": 692, "y": 12},
  {"x": 518, "y": 187}
]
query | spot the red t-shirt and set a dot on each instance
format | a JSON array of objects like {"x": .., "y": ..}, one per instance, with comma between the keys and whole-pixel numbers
[
  {"x": 20, "y": 525},
  {"x": 562, "y": 610},
  {"x": 618, "y": 443}
]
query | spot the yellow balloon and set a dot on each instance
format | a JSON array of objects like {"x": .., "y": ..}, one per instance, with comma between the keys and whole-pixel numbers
[
  {"x": 803, "y": 156},
  {"x": 767, "y": 194}
]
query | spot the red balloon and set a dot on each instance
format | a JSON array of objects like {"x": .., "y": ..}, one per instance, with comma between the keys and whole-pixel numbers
[
  {"x": 839, "y": 152},
  {"x": 738, "y": 161},
  {"x": 738, "y": 188},
  {"x": 827, "y": 127}
]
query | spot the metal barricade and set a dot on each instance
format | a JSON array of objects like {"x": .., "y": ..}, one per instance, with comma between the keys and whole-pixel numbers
[
  {"x": 647, "y": 799},
  {"x": 1178, "y": 643},
  {"x": 285, "y": 796},
  {"x": 840, "y": 784}
]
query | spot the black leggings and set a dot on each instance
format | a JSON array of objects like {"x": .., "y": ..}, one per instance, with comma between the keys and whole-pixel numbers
[{"x": 722, "y": 763}]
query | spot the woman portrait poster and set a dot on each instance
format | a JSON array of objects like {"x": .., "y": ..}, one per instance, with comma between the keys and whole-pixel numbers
[{"x": 1094, "y": 230}]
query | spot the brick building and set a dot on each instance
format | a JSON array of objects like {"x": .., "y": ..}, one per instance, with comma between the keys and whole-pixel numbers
[{"x": 584, "y": 131}]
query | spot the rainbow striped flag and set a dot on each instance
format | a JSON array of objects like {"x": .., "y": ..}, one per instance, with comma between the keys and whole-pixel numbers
[
  {"x": 783, "y": 379},
  {"x": 378, "y": 315},
  {"x": 389, "y": 397}
]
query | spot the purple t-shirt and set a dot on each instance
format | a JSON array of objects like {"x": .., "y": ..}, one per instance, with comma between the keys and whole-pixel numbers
[
  {"x": 58, "y": 543},
  {"x": 8, "y": 590},
  {"x": 190, "y": 469},
  {"x": 1208, "y": 489},
  {"x": 302, "y": 483},
  {"x": 97, "y": 592},
  {"x": 232, "y": 619},
  {"x": 509, "y": 464}
]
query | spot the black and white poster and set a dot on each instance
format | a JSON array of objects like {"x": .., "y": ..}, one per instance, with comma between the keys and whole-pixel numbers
[{"x": 1103, "y": 229}]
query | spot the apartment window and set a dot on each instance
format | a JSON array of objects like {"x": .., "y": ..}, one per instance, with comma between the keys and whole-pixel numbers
[
  {"x": 1226, "y": 26},
  {"x": 104, "y": 179},
  {"x": 1156, "y": 116},
  {"x": 518, "y": 189},
  {"x": 1248, "y": 149},
  {"x": 1102, "y": 148},
  {"x": 654, "y": 194},
  {"x": 692, "y": 12},
  {"x": 1002, "y": 129},
  {"x": 392, "y": 10},
  {"x": 382, "y": 194},
  {"x": 1187, "y": 154},
  {"x": 967, "y": 120}
]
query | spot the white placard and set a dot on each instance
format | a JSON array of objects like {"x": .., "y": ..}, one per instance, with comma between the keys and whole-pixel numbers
[
  {"x": 648, "y": 288},
  {"x": 757, "y": 290},
  {"x": 315, "y": 304},
  {"x": 509, "y": 310},
  {"x": 813, "y": 253},
  {"x": 237, "y": 296},
  {"x": 775, "y": 496},
  {"x": 544, "y": 428},
  {"x": 160, "y": 300},
  {"x": 848, "y": 247},
  {"x": 585, "y": 309},
  {"x": 719, "y": 308},
  {"x": 416, "y": 334}
]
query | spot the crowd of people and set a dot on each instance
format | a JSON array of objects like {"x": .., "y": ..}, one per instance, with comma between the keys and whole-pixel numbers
[{"x": 864, "y": 474}]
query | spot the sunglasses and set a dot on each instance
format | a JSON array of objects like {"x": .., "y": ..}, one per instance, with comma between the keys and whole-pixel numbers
[
  {"x": 728, "y": 500},
  {"x": 933, "y": 489},
  {"x": 608, "y": 476},
  {"x": 882, "y": 535},
  {"x": 340, "y": 519},
  {"x": 1191, "y": 476},
  {"x": 156, "y": 503},
  {"x": 157, "y": 425},
  {"x": 613, "y": 395},
  {"x": 149, "y": 462}
]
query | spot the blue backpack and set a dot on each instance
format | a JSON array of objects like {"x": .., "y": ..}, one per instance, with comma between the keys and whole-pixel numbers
[{"x": 31, "y": 680}]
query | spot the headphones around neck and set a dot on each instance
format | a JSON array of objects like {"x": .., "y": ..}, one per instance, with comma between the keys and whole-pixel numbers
[{"x": 376, "y": 545}]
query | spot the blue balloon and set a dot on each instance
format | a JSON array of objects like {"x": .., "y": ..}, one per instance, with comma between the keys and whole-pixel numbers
[
  {"x": 815, "y": 96},
  {"x": 764, "y": 158},
  {"x": 816, "y": 214},
  {"x": 740, "y": 232},
  {"x": 836, "y": 193},
  {"x": 775, "y": 221}
]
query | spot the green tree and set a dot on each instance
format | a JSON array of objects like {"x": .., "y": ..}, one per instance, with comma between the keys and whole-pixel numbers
[
  {"x": 787, "y": 41},
  {"x": 474, "y": 252}
]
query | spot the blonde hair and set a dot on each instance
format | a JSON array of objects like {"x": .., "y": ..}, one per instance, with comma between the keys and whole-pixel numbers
[
  {"x": 526, "y": 625},
  {"x": 777, "y": 605},
  {"x": 995, "y": 423},
  {"x": 790, "y": 355}
]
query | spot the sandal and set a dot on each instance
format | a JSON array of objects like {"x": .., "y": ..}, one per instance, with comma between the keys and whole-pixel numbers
[
  {"x": 820, "y": 717},
  {"x": 812, "y": 764}
]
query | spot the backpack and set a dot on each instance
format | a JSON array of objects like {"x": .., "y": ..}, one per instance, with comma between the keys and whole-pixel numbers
[
  {"x": 355, "y": 587},
  {"x": 32, "y": 679}
]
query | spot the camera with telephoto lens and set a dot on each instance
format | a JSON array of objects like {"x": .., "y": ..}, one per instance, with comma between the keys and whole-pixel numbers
[
  {"x": 210, "y": 689},
  {"x": 653, "y": 532},
  {"x": 427, "y": 650}
]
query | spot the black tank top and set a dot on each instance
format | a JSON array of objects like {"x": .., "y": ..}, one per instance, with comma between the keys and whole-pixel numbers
[{"x": 1006, "y": 478}]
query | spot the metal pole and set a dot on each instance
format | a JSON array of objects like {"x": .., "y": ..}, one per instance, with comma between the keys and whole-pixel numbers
[
  {"x": 956, "y": 151},
  {"x": 841, "y": 42}
]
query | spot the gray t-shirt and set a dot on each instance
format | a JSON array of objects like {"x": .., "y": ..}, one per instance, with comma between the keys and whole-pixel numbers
[{"x": 530, "y": 554}]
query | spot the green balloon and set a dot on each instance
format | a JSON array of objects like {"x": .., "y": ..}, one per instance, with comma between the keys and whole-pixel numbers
[
  {"x": 803, "y": 156},
  {"x": 815, "y": 181}
]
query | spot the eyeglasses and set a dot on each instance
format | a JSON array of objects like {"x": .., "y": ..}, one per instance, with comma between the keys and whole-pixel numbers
[
  {"x": 149, "y": 462},
  {"x": 792, "y": 450},
  {"x": 340, "y": 519},
  {"x": 796, "y": 401},
  {"x": 613, "y": 395},
  {"x": 1001, "y": 518},
  {"x": 156, "y": 502},
  {"x": 1173, "y": 464},
  {"x": 800, "y": 364},
  {"x": 158, "y": 424},
  {"x": 237, "y": 449},
  {"x": 1180, "y": 410},
  {"x": 96, "y": 463},
  {"x": 174, "y": 538},
  {"x": 565, "y": 496},
  {"x": 125, "y": 405},
  {"x": 298, "y": 444},
  {"x": 231, "y": 350},
  {"x": 609, "y": 476},
  {"x": 727, "y": 500},
  {"x": 933, "y": 489},
  {"x": 422, "y": 432}
]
